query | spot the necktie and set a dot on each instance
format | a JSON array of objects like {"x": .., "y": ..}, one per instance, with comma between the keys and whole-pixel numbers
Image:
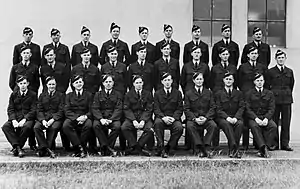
[
  {"x": 85, "y": 43},
  {"x": 23, "y": 95},
  {"x": 25, "y": 65},
  {"x": 229, "y": 92},
  {"x": 168, "y": 93},
  {"x": 199, "y": 91},
  {"x": 139, "y": 94},
  {"x": 78, "y": 95},
  {"x": 55, "y": 46},
  {"x": 281, "y": 69},
  {"x": 197, "y": 43},
  {"x": 167, "y": 61},
  {"x": 196, "y": 65},
  {"x": 85, "y": 67},
  {"x": 260, "y": 91},
  {"x": 253, "y": 65},
  {"x": 225, "y": 66},
  {"x": 107, "y": 93},
  {"x": 142, "y": 63},
  {"x": 115, "y": 42}
]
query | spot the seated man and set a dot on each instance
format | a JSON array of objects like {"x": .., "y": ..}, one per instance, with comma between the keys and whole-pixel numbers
[
  {"x": 230, "y": 109},
  {"x": 168, "y": 109},
  {"x": 260, "y": 107},
  {"x": 78, "y": 124},
  {"x": 21, "y": 115},
  {"x": 199, "y": 108}
]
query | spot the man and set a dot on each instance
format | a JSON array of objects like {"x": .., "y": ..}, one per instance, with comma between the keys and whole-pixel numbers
[
  {"x": 78, "y": 124},
  {"x": 196, "y": 41},
  {"x": 21, "y": 116},
  {"x": 61, "y": 51},
  {"x": 168, "y": 109},
  {"x": 166, "y": 64},
  {"x": 264, "y": 50},
  {"x": 143, "y": 68},
  {"x": 35, "y": 49},
  {"x": 85, "y": 43},
  {"x": 89, "y": 72},
  {"x": 122, "y": 47},
  {"x": 230, "y": 109},
  {"x": 260, "y": 107},
  {"x": 55, "y": 69},
  {"x": 150, "y": 58},
  {"x": 174, "y": 46},
  {"x": 226, "y": 42},
  {"x": 280, "y": 80}
]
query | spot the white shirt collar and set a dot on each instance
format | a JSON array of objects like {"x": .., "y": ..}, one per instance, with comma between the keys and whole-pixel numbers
[
  {"x": 259, "y": 89},
  {"x": 83, "y": 43},
  {"x": 166, "y": 90},
  {"x": 279, "y": 67},
  {"x": 80, "y": 92},
  {"x": 25, "y": 92},
  {"x": 229, "y": 88},
  {"x": 195, "y": 41},
  {"x": 197, "y": 88},
  {"x": 25, "y": 63},
  {"x": 167, "y": 58},
  {"x": 86, "y": 64},
  {"x": 144, "y": 42},
  {"x": 56, "y": 43},
  {"x": 228, "y": 40}
]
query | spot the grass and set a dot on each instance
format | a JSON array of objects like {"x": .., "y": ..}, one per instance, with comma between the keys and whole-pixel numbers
[{"x": 151, "y": 174}]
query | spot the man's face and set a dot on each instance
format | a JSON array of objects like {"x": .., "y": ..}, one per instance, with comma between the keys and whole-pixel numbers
[
  {"x": 259, "y": 82},
  {"x": 224, "y": 56},
  {"x": 23, "y": 85},
  {"x": 115, "y": 33},
  {"x": 55, "y": 38},
  {"x": 196, "y": 54},
  {"x": 138, "y": 84},
  {"x": 168, "y": 33},
  {"x": 228, "y": 81},
  {"x": 144, "y": 35},
  {"x": 166, "y": 51},
  {"x": 50, "y": 57},
  {"x": 167, "y": 82},
  {"x": 226, "y": 33},
  {"x": 86, "y": 57},
  {"x": 28, "y": 37},
  {"x": 257, "y": 36},
  {"x": 253, "y": 55},
  {"x": 281, "y": 59},
  {"x": 196, "y": 34},
  {"x": 108, "y": 83},
  {"x": 86, "y": 36},
  {"x": 51, "y": 85},
  {"x": 113, "y": 56},
  {"x": 78, "y": 84},
  {"x": 199, "y": 80},
  {"x": 142, "y": 54},
  {"x": 26, "y": 54}
]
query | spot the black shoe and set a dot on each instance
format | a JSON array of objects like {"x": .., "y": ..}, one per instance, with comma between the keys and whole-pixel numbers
[
  {"x": 264, "y": 152},
  {"x": 51, "y": 153},
  {"x": 41, "y": 152},
  {"x": 231, "y": 153},
  {"x": 21, "y": 152},
  {"x": 33, "y": 148},
  {"x": 164, "y": 154},
  {"x": 112, "y": 152},
  {"x": 146, "y": 152},
  {"x": 287, "y": 148},
  {"x": 15, "y": 151},
  {"x": 237, "y": 154}
]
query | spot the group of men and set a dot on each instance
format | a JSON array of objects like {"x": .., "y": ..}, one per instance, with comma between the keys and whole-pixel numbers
[{"x": 112, "y": 95}]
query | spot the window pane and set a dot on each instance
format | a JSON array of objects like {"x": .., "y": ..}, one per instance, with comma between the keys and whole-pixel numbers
[
  {"x": 276, "y": 34},
  {"x": 251, "y": 25},
  {"x": 202, "y": 9},
  {"x": 216, "y": 31},
  {"x": 276, "y": 9},
  {"x": 205, "y": 30},
  {"x": 221, "y": 9},
  {"x": 256, "y": 9}
]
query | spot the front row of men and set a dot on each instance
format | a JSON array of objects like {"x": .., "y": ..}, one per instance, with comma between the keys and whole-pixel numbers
[{"x": 80, "y": 114}]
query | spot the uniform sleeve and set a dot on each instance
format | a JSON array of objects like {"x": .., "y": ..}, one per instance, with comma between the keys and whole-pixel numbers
[
  {"x": 244, "y": 57},
  {"x": 16, "y": 55},
  {"x": 90, "y": 103},
  {"x": 147, "y": 113},
  {"x": 215, "y": 55},
  {"x": 179, "y": 111},
  {"x": 187, "y": 108},
  {"x": 271, "y": 108},
  {"x": 157, "y": 111},
  {"x": 12, "y": 78},
  {"x": 127, "y": 55},
  {"x": 11, "y": 109},
  {"x": 292, "y": 82},
  {"x": 60, "y": 113},
  {"x": 40, "y": 109},
  {"x": 212, "y": 78},
  {"x": 240, "y": 111},
  {"x": 69, "y": 113},
  {"x": 117, "y": 113},
  {"x": 96, "y": 108},
  {"x": 127, "y": 109},
  {"x": 206, "y": 55},
  {"x": 129, "y": 77},
  {"x": 237, "y": 54},
  {"x": 133, "y": 56},
  {"x": 102, "y": 55},
  {"x": 185, "y": 54},
  {"x": 212, "y": 108},
  {"x": 219, "y": 107},
  {"x": 73, "y": 56},
  {"x": 32, "y": 113},
  {"x": 268, "y": 55},
  {"x": 43, "y": 61},
  {"x": 177, "y": 74},
  {"x": 250, "y": 114},
  {"x": 39, "y": 58},
  {"x": 206, "y": 76},
  {"x": 183, "y": 78}
]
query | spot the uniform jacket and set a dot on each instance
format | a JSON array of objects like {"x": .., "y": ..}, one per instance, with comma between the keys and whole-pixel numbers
[
  {"x": 281, "y": 84},
  {"x": 233, "y": 48},
  {"x": 31, "y": 72},
  {"x": 230, "y": 106},
  {"x": 217, "y": 74},
  {"x": 168, "y": 106},
  {"x": 122, "y": 48},
  {"x": 196, "y": 105},
  {"x": 150, "y": 57},
  {"x": 49, "y": 107},
  {"x": 160, "y": 66},
  {"x": 35, "y": 51},
  {"x": 107, "y": 107},
  {"x": 62, "y": 54},
  {"x": 187, "y": 57},
  {"x": 264, "y": 52},
  {"x": 136, "y": 108},
  {"x": 22, "y": 107},
  {"x": 175, "y": 49},
  {"x": 78, "y": 48},
  {"x": 260, "y": 106}
]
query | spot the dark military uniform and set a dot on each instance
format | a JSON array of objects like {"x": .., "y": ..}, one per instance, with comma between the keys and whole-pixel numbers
[
  {"x": 48, "y": 107},
  {"x": 196, "y": 105},
  {"x": 74, "y": 107},
  {"x": 35, "y": 51},
  {"x": 145, "y": 71},
  {"x": 175, "y": 49},
  {"x": 119, "y": 72},
  {"x": 230, "y": 105},
  {"x": 187, "y": 75},
  {"x": 78, "y": 48},
  {"x": 172, "y": 67},
  {"x": 139, "y": 108},
  {"x": 281, "y": 83},
  {"x": 91, "y": 77},
  {"x": 233, "y": 49},
  {"x": 60, "y": 74},
  {"x": 20, "y": 107},
  {"x": 122, "y": 48},
  {"x": 264, "y": 52},
  {"x": 261, "y": 106},
  {"x": 165, "y": 105},
  {"x": 187, "y": 57},
  {"x": 217, "y": 75},
  {"x": 150, "y": 57},
  {"x": 31, "y": 72}
]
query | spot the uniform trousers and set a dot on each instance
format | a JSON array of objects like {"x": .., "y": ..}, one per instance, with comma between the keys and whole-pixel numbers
[
  {"x": 233, "y": 132},
  {"x": 285, "y": 110},
  {"x": 102, "y": 130},
  {"x": 51, "y": 133}
]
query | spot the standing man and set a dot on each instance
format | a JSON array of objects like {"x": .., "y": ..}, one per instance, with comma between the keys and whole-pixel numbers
[
  {"x": 35, "y": 49},
  {"x": 150, "y": 58},
  {"x": 196, "y": 41},
  {"x": 226, "y": 42},
  {"x": 280, "y": 80},
  {"x": 264, "y": 50},
  {"x": 85, "y": 43},
  {"x": 174, "y": 46},
  {"x": 122, "y": 47}
]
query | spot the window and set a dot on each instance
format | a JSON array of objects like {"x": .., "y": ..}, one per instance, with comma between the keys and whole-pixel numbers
[
  {"x": 210, "y": 15},
  {"x": 270, "y": 16}
]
